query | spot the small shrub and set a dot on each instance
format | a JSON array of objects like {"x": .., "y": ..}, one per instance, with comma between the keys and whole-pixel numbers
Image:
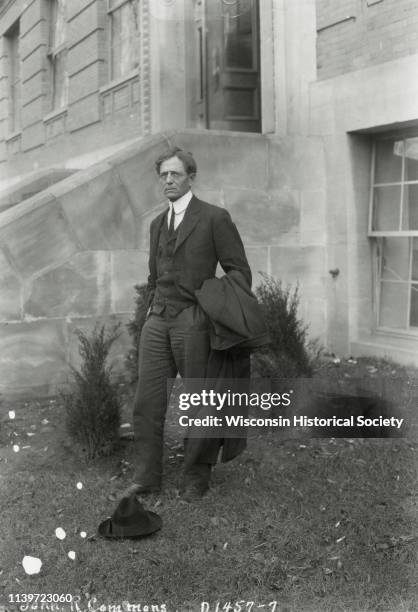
[
  {"x": 135, "y": 327},
  {"x": 288, "y": 355},
  {"x": 92, "y": 404}
]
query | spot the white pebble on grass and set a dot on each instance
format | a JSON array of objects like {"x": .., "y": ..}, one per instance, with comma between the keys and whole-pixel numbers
[
  {"x": 16, "y": 448},
  {"x": 12, "y": 414},
  {"x": 60, "y": 533},
  {"x": 83, "y": 534},
  {"x": 79, "y": 485},
  {"x": 71, "y": 554},
  {"x": 31, "y": 565}
]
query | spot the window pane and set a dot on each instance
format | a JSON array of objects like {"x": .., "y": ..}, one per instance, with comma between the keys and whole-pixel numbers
[
  {"x": 413, "y": 319},
  {"x": 125, "y": 39},
  {"x": 130, "y": 44},
  {"x": 14, "y": 80},
  {"x": 394, "y": 305},
  {"x": 386, "y": 208},
  {"x": 410, "y": 211},
  {"x": 395, "y": 259},
  {"x": 58, "y": 57},
  {"x": 60, "y": 80},
  {"x": 116, "y": 43},
  {"x": 388, "y": 165},
  {"x": 411, "y": 159},
  {"x": 58, "y": 23},
  {"x": 201, "y": 90},
  {"x": 239, "y": 36},
  {"x": 415, "y": 260}
]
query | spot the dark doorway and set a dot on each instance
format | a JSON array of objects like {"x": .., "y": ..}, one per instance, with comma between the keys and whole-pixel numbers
[{"x": 229, "y": 64}]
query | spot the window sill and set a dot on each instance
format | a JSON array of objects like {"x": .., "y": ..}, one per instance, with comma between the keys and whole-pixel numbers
[
  {"x": 55, "y": 114},
  {"x": 390, "y": 332},
  {"x": 393, "y": 233},
  {"x": 121, "y": 81},
  {"x": 400, "y": 347}
]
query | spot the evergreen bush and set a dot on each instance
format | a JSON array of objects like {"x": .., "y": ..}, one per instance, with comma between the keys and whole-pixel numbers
[
  {"x": 92, "y": 404},
  {"x": 289, "y": 353}
]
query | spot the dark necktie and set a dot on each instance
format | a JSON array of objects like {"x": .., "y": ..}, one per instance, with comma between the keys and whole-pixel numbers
[{"x": 171, "y": 226}]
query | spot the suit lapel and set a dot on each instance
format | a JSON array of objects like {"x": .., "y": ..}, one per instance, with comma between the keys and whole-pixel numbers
[
  {"x": 191, "y": 217},
  {"x": 156, "y": 233}
]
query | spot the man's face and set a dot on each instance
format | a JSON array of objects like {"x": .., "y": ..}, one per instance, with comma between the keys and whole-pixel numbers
[{"x": 174, "y": 178}]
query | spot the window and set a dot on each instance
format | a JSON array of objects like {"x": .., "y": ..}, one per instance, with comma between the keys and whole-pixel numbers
[
  {"x": 14, "y": 82},
  {"x": 58, "y": 54},
  {"x": 124, "y": 37},
  {"x": 394, "y": 225},
  {"x": 239, "y": 34}
]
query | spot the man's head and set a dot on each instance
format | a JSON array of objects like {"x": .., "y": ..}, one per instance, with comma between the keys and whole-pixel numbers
[{"x": 177, "y": 170}]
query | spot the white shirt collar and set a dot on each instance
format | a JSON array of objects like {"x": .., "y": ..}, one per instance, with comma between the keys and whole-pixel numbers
[{"x": 182, "y": 203}]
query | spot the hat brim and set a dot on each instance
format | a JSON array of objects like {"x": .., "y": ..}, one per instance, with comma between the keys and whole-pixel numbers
[{"x": 109, "y": 529}]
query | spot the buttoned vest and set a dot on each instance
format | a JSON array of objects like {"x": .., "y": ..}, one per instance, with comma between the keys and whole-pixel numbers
[{"x": 167, "y": 296}]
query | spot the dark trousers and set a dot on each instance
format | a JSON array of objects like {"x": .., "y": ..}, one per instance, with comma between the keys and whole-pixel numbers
[{"x": 168, "y": 345}]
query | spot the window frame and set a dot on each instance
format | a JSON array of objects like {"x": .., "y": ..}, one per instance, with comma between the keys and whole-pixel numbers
[
  {"x": 14, "y": 103},
  {"x": 112, "y": 6},
  {"x": 401, "y": 183},
  {"x": 54, "y": 52},
  {"x": 377, "y": 237},
  {"x": 255, "y": 44}
]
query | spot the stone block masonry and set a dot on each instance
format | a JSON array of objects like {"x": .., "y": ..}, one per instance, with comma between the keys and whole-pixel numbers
[
  {"x": 97, "y": 110},
  {"x": 71, "y": 255},
  {"x": 355, "y": 34}
]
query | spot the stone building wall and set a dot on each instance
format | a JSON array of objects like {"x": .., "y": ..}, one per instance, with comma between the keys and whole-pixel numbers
[
  {"x": 354, "y": 34},
  {"x": 70, "y": 256},
  {"x": 99, "y": 111}
]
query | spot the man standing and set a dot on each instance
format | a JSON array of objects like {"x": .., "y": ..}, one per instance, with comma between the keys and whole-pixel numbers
[{"x": 188, "y": 240}]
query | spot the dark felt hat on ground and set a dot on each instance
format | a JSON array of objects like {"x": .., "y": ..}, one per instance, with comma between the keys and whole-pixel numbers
[{"x": 130, "y": 520}]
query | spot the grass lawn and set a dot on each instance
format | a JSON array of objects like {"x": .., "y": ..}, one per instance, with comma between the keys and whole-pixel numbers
[{"x": 291, "y": 525}]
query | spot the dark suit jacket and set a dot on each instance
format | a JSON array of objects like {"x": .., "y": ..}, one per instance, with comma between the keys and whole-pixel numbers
[{"x": 206, "y": 236}]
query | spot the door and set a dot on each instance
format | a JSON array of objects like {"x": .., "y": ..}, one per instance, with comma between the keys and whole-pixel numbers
[{"x": 228, "y": 43}]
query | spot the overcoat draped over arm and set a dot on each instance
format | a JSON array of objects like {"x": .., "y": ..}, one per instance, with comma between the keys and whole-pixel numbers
[{"x": 236, "y": 328}]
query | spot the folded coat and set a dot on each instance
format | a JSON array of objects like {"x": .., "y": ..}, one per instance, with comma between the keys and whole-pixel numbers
[
  {"x": 234, "y": 313},
  {"x": 236, "y": 328}
]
